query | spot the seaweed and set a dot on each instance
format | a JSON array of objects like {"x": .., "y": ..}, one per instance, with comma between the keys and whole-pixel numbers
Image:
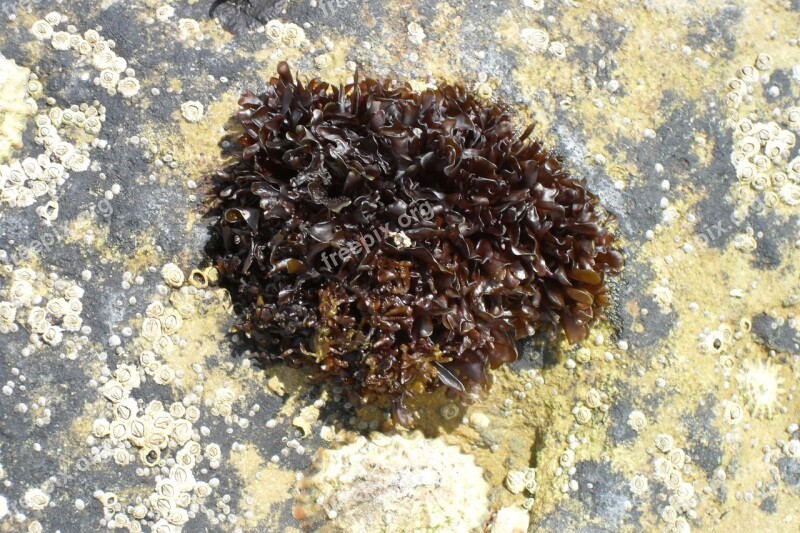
[{"x": 401, "y": 241}]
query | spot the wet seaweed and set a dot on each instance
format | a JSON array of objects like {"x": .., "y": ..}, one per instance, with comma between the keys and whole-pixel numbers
[{"x": 401, "y": 241}]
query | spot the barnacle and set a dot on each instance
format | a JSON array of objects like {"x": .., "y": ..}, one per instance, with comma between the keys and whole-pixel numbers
[{"x": 399, "y": 240}]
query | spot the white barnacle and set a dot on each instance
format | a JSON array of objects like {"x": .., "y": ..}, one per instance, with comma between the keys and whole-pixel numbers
[
  {"x": 17, "y": 174},
  {"x": 664, "y": 442},
  {"x": 638, "y": 485},
  {"x": 558, "y": 49},
  {"x": 669, "y": 514},
  {"x": 636, "y": 420},
  {"x": 60, "y": 40},
  {"x": 194, "y": 448},
  {"x": 53, "y": 18},
  {"x": 171, "y": 323},
  {"x": 733, "y": 413},
  {"x": 164, "y": 13},
  {"x": 8, "y": 313},
  {"x": 165, "y": 375},
  {"x": 178, "y": 516},
  {"x": 128, "y": 87},
  {"x": 108, "y": 79},
  {"x": 202, "y": 489},
  {"x": 213, "y": 452},
  {"x": 185, "y": 458},
  {"x": 779, "y": 178},
  {"x": 323, "y": 61},
  {"x": 42, "y": 30},
  {"x": 74, "y": 292},
  {"x": 182, "y": 431},
  {"x": 155, "y": 309},
  {"x": 192, "y": 111},
  {"x": 119, "y": 65},
  {"x": 183, "y": 303},
  {"x": 75, "y": 41},
  {"x": 78, "y": 162},
  {"x": 792, "y": 448},
  {"x": 530, "y": 480},
  {"x": 36, "y": 499},
  {"x": 746, "y": 172},
  {"x": 749, "y": 145},
  {"x": 677, "y": 457},
  {"x": 120, "y": 430},
  {"x": 35, "y": 88},
  {"x": 182, "y": 475},
  {"x": 293, "y": 35},
  {"x": 515, "y": 481},
  {"x": 150, "y": 456},
  {"x": 91, "y": 36},
  {"x": 147, "y": 358},
  {"x": 735, "y": 84},
  {"x": 593, "y": 399},
  {"x": 567, "y": 458},
  {"x": 274, "y": 30},
  {"x": 139, "y": 511},
  {"x": 84, "y": 48},
  {"x": 127, "y": 376},
  {"x": 790, "y": 193},
  {"x": 188, "y": 28},
  {"x": 113, "y": 391},
  {"x": 53, "y": 335},
  {"x": 763, "y": 62},
  {"x": 151, "y": 328},
  {"x": 101, "y": 428},
  {"x": 163, "y": 422},
  {"x": 137, "y": 430},
  {"x": 684, "y": 492},
  {"x": 37, "y": 319},
  {"x": 24, "y": 274},
  {"x": 776, "y": 150},
  {"x": 172, "y": 275},
  {"x": 582, "y": 414},
  {"x": 748, "y": 73},
  {"x": 192, "y": 413},
  {"x": 673, "y": 480},
  {"x": 163, "y": 345},
  {"x": 662, "y": 467},
  {"x": 126, "y": 409},
  {"x": 535, "y": 39},
  {"x": 57, "y": 307}
]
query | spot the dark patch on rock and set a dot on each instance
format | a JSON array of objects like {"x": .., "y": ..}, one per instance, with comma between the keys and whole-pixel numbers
[
  {"x": 717, "y": 30},
  {"x": 790, "y": 471},
  {"x": 771, "y": 237},
  {"x": 783, "y": 80},
  {"x": 619, "y": 432},
  {"x": 769, "y": 505},
  {"x": 782, "y": 338},
  {"x": 702, "y": 437},
  {"x": 646, "y": 327},
  {"x": 606, "y": 499},
  {"x": 534, "y": 353}
]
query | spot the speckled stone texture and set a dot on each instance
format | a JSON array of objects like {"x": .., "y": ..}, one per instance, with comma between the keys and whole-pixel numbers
[{"x": 125, "y": 401}]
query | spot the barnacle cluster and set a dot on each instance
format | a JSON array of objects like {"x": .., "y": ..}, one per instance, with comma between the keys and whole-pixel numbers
[{"x": 401, "y": 240}]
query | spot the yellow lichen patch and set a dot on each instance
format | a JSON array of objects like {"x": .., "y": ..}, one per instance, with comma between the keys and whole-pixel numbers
[{"x": 264, "y": 486}]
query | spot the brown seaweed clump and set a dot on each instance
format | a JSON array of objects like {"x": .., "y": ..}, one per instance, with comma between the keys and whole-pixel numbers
[{"x": 399, "y": 241}]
